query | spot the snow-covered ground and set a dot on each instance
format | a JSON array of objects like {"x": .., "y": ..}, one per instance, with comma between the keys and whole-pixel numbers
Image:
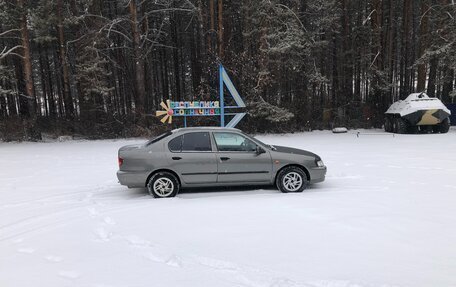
[{"x": 385, "y": 216}]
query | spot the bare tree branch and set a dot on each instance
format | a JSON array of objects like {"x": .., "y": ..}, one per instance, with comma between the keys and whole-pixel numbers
[
  {"x": 369, "y": 16},
  {"x": 5, "y": 52},
  {"x": 9, "y": 31},
  {"x": 376, "y": 56}
]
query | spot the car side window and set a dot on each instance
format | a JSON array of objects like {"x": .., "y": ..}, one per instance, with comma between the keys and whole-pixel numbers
[
  {"x": 175, "y": 145},
  {"x": 198, "y": 141},
  {"x": 233, "y": 142}
]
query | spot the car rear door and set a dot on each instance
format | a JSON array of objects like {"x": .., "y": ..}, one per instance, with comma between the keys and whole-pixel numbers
[
  {"x": 191, "y": 155},
  {"x": 238, "y": 160}
]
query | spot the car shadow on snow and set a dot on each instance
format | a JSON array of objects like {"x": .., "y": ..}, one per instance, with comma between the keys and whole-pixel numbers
[
  {"x": 200, "y": 192},
  {"x": 225, "y": 191},
  {"x": 242, "y": 191}
]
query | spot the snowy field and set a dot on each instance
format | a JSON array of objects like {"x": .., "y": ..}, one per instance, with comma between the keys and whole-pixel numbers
[{"x": 385, "y": 216}]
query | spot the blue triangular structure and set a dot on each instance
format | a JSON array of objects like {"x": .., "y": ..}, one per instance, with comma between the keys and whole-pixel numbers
[
  {"x": 224, "y": 79},
  {"x": 234, "y": 121}
]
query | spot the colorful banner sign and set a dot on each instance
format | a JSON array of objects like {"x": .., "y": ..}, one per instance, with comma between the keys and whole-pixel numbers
[{"x": 195, "y": 108}]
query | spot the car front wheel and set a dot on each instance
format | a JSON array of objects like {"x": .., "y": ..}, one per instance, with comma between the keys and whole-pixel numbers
[
  {"x": 162, "y": 185},
  {"x": 291, "y": 179}
]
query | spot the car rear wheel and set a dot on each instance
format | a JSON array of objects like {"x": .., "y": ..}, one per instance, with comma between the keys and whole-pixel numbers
[
  {"x": 163, "y": 185},
  {"x": 291, "y": 179}
]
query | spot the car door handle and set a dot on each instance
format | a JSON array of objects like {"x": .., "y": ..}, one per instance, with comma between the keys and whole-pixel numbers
[
  {"x": 176, "y": 158},
  {"x": 224, "y": 158}
]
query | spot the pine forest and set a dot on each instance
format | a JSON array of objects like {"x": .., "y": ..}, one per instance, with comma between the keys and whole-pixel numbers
[{"x": 100, "y": 69}]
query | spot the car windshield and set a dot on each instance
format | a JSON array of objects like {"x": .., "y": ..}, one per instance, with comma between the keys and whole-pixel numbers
[
  {"x": 158, "y": 138},
  {"x": 261, "y": 143}
]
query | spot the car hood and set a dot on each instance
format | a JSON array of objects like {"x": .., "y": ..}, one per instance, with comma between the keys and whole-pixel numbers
[{"x": 291, "y": 150}]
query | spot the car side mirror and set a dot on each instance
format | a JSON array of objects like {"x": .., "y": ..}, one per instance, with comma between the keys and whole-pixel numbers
[{"x": 259, "y": 150}]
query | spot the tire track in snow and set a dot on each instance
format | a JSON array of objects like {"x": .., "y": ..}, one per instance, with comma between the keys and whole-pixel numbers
[
  {"x": 43, "y": 227},
  {"x": 237, "y": 274},
  {"x": 72, "y": 204},
  {"x": 39, "y": 217},
  {"x": 43, "y": 199},
  {"x": 37, "y": 227},
  {"x": 86, "y": 192}
]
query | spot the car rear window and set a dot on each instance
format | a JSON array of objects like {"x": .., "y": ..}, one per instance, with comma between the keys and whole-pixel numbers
[
  {"x": 158, "y": 138},
  {"x": 175, "y": 145}
]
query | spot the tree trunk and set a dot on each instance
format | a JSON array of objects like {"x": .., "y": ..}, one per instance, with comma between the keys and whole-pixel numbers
[
  {"x": 391, "y": 50},
  {"x": 377, "y": 52},
  {"x": 432, "y": 76},
  {"x": 177, "y": 78},
  {"x": 44, "y": 85},
  {"x": 405, "y": 73},
  {"x": 51, "y": 99},
  {"x": 448, "y": 78},
  {"x": 335, "y": 76},
  {"x": 27, "y": 62},
  {"x": 423, "y": 45},
  {"x": 139, "y": 60},
  {"x": 212, "y": 31},
  {"x": 220, "y": 28},
  {"x": 345, "y": 61},
  {"x": 69, "y": 107},
  {"x": 199, "y": 55}
]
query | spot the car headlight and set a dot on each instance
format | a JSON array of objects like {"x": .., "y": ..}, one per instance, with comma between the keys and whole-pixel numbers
[{"x": 319, "y": 162}]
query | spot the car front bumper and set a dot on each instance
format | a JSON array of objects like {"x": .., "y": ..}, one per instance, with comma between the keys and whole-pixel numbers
[{"x": 317, "y": 174}]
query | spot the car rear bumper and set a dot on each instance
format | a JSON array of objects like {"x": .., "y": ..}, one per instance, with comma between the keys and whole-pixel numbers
[
  {"x": 317, "y": 174},
  {"x": 132, "y": 178}
]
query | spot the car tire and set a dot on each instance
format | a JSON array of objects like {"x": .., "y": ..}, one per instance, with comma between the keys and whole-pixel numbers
[
  {"x": 163, "y": 185},
  {"x": 291, "y": 179}
]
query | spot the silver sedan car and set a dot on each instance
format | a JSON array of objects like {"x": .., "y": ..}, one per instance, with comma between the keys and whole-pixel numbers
[{"x": 212, "y": 156}]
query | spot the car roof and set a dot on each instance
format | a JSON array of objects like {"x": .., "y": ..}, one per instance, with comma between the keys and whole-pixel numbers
[{"x": 205, "y": 129}]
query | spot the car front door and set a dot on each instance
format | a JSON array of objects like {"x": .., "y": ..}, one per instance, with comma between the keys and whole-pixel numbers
[
  {"x": 191, "y": 155},
  {"x": 239, "y": 161}
]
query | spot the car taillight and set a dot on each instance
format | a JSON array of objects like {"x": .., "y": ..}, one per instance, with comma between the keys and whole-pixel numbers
[{"x": 120, "y": 161}]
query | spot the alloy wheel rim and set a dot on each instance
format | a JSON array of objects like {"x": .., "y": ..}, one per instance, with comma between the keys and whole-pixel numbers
[
  {"x": 292, "y": 181},
  {"x": 163, "y": 187}
]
